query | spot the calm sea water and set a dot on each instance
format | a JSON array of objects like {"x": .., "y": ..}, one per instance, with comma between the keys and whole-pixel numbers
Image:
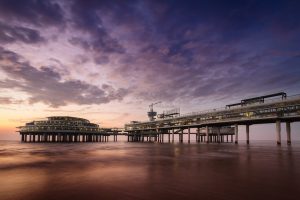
[{"x": 124, "y": 170}]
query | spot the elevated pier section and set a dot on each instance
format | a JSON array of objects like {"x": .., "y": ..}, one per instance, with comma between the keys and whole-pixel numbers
[{"x": 210, "y": 125}]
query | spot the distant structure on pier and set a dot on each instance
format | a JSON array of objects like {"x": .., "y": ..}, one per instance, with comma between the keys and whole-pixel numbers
[{"x": 64, "y": 129}]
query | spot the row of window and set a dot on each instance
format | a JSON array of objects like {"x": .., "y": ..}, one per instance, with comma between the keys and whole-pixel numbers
[
  {"x": 65, "y": 123},
  {"x": 58, "y": 128}
]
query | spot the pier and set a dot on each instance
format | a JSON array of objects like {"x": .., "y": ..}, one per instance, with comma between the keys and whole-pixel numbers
[
  {"x": 211, "y": 126},
  {"x": 218, "y": 125}
]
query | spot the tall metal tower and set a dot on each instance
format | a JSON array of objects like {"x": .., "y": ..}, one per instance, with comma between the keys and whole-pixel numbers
[{"x": 151, "y": 113}]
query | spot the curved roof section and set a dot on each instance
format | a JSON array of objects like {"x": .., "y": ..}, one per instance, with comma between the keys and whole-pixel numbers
[{"x": 67, "y": 118}]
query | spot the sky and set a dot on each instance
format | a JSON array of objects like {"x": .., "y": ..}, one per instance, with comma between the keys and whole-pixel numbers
[{"x": 107, "y": 60}]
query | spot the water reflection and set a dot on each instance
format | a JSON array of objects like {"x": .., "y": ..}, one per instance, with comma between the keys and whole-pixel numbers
[{"x": 148, "y": 171}]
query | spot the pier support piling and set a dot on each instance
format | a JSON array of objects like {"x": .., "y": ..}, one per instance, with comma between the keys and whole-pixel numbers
[
  {"x": 278, "y": 131},
  {"x": 181, "y": 136},
  {"x": 236, "y": 132},
  {"x": 218, "y": 135},
  {"x": 207, "y": 134},
  {"x": 189, "y": 135},
  {"x": 288, "y": 133},
  {"x": 172, "y": 135},
  {"x": 247, "y": 133}
]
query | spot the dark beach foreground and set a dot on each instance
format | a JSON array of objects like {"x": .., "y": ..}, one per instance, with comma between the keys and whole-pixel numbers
[{"x": 121, "y": 170}]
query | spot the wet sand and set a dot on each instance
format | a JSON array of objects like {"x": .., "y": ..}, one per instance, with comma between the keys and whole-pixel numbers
[{"x": 121, "y": 170}]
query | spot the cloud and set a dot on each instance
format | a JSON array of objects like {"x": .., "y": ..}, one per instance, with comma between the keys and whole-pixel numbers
[
  {"x": 9, "y": 100},
  {"x": 87, "y": 20},
  {"x": 160, "y": 50},
  {"x": 47, "y": 86},
  {"x": 11, "y": 34},
  {"x": 39, "y": 13},
  {"x": 5, "y": 100}
]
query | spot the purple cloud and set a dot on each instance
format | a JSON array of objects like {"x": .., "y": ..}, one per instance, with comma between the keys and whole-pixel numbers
[
  {"x": 46, "y": 85},
  {"x": 166, "y": 50},
  {"x": 39, "y": 13},
  {"x": 11, "y": 34}
]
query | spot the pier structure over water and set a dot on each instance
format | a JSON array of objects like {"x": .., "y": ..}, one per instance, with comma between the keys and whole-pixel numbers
[
  {"x": 65, "y": 129},
  {"x": 221, "y": 125}
]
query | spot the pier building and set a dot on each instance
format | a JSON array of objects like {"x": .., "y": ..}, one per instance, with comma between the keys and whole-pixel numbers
[{"x": 65, "y": 129}]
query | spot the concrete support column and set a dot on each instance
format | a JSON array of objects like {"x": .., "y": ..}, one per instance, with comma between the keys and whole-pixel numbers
[
  {"x": 198, "y": 133},
  {"x": 181, "y": 140},
  {"x": 207, "y": 134},
  {"x": 172, "y": 135},
  {"x": 278, "y": 131},
  {"x": 189, "y": 135},
  {"x": 247, "y": 133},
  {"x": 288, "y": 133},
  {"x": 236, "y": 132},
  {"x": 218, "y": 134}
]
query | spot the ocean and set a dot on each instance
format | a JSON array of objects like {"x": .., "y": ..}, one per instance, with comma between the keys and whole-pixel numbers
[{"x": 149, "y": 171}]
